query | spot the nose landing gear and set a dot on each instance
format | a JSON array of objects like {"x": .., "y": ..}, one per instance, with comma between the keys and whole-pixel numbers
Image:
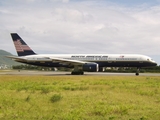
[{"x": 137, "y": 72}]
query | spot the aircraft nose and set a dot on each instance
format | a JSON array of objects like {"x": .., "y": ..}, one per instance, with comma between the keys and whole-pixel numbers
[{"x": 155, "y": 64}]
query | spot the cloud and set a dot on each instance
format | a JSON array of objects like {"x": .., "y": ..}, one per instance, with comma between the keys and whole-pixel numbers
[
  {"x": 63, "y": 1},
  {"x": 52, "y": 26}
]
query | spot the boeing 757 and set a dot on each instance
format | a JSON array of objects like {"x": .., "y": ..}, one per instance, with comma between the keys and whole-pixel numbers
[{"x": 79, "y": 62}]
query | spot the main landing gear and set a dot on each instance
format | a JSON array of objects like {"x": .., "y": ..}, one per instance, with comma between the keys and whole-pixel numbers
[
  {"x": 137, "y": 72},
  {"x": 77, "y": 71}
]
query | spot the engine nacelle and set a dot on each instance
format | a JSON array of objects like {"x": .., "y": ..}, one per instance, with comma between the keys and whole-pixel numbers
[{"x": 90, "y": 67}]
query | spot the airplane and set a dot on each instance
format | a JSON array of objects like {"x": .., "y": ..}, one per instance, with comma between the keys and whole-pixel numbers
[{"x": 79, "y": 62}]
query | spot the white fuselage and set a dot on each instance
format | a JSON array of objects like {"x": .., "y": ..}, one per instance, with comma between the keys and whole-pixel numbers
[
  {"x": 104, "y": 60},
  {"x": 92, "y": 57}
]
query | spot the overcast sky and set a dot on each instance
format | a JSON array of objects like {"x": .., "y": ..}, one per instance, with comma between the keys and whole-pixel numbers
[{"x": 83, "y": 26}]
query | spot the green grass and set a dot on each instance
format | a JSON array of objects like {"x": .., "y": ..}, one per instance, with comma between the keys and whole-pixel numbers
[{"x": 79, "y": 98}]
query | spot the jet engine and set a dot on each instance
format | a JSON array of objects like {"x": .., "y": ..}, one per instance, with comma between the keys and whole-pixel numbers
[{"x": 91, "y": 67}]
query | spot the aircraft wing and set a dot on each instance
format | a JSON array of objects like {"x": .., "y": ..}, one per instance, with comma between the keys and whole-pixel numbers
[
  {"x": 62, "y": 61},
  {"x": 68, "y": 61}
]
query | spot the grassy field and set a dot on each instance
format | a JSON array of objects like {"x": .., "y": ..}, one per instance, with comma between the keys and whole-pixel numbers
[{"x": 79, "y": 98}]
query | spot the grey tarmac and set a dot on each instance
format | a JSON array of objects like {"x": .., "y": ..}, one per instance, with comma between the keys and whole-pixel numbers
[{"x": 57, "y": 73}]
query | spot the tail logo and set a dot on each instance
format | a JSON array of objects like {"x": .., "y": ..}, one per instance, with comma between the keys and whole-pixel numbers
[{"x": 21, "y": 47}]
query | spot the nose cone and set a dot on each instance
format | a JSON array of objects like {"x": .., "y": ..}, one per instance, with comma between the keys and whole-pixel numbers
[{"x": 154, "y": 64}]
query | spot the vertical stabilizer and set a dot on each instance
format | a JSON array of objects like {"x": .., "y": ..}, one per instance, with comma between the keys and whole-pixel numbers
[{"x": 21, "y": 47}]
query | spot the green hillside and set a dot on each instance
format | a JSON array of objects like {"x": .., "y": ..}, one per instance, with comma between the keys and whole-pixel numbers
[{"x": 4, "y": 61}]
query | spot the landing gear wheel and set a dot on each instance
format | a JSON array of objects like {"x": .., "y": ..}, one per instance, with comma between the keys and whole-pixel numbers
[
  {"x": 77, "y": 73},
  {"x": 82, "y": 73},
  {"x": 137, "y": 72}
]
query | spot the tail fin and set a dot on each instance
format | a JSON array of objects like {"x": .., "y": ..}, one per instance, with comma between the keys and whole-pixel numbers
[{"x": 21, "y": 47}]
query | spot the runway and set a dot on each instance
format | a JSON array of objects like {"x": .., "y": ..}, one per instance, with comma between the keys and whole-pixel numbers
[{"x": 57, "y": 73}]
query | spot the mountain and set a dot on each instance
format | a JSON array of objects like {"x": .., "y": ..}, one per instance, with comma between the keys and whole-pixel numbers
[{"x": 4, "y": 61}]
